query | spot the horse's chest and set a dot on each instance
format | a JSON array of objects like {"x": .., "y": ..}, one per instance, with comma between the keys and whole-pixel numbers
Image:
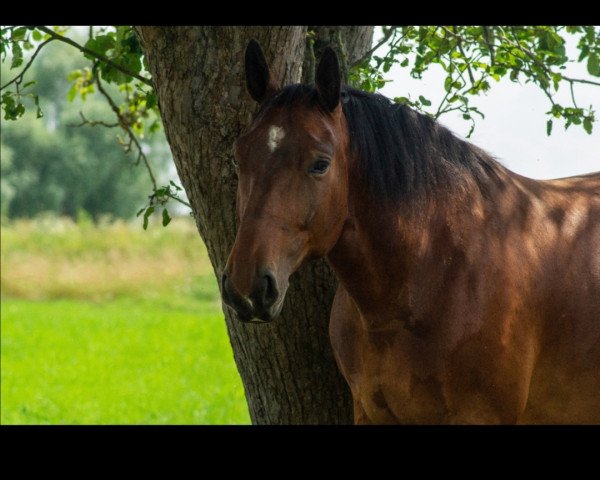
[
  {"x": 393, "y": 381},
  {"x": 392, "y": 391}
]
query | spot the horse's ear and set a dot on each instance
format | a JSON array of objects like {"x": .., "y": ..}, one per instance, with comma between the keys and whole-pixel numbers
[
  {"x": 258, "y": 78},
  {"x": 328, "y": 80}
]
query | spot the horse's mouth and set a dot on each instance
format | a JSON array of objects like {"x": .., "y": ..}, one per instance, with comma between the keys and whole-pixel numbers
[
  {"x": 253, "y": 308},
  {"x": 259, "y": 320},
  {"x": 268, "y": 316},
  {"x": 264, "y": 318}
]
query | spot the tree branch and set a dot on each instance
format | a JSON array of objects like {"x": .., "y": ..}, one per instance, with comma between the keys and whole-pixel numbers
[
  {"x": 124, "y": 124},
  {"x": 92, "y": 123},
  {"x": 367, "y": 55},
  {"x": 102, "y": 58},
  {"x": 486, "y": 37},
  {"x": 183, "y": 202},
  {"x": 459, "y": 40},
  {"x": 573, "y": 95},
  {"x": 581, "y": 80},
  {"x": 439, "y": 110},
  {"x": 19, "y": 77},
  {"x": 541, "y": 64},
  {"x": 452, "y": 109}
]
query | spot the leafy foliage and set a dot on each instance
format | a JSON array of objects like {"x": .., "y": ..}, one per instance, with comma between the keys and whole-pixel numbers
[
  {"x": 474, "y": 57},
  {"x": 49, "y": 166},
  {"x": 159, "y": 199},
  {"x": 116, "y": 72}
]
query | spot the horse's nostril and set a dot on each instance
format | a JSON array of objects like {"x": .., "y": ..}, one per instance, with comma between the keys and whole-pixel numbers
[
  {"x": 224, "y": 287},
  {"x": 270, "y": 293},
  {"x": 258, "y": 303}
]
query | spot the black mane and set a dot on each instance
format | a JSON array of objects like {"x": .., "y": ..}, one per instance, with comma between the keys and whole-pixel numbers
[{"x": 400, "y": 151}]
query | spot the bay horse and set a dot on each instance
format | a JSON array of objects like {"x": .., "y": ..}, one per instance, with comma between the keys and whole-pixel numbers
[{"x": 468, "y": 294}]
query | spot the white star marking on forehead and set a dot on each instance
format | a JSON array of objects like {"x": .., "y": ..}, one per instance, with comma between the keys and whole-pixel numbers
[{"x": 276, "y": 135}]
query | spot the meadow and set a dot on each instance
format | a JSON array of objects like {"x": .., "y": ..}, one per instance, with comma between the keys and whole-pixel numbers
[{"x": 111, "y": 324}]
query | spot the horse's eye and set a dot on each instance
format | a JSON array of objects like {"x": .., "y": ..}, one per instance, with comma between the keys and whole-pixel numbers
[{"x": 320, "y": 166}]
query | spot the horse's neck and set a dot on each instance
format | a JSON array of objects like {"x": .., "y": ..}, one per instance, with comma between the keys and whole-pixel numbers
[{"x": 384, "y": 252}]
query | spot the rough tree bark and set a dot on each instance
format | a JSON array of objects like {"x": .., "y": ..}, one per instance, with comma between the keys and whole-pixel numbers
[
  {"x": 287, "y": 367},
  {"x": 350, "y": 43}
]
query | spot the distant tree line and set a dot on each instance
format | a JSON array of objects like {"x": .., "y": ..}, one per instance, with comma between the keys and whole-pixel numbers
[{"x": 49, "y": 164}]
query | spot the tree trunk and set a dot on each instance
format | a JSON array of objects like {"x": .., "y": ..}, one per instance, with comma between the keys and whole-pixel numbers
[
  {"x": 350, "y": 43},
  {"x": 287, "y": 367}
]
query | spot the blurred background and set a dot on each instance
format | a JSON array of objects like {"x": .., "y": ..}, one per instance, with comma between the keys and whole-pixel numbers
[{"x": 102, "y": 321}]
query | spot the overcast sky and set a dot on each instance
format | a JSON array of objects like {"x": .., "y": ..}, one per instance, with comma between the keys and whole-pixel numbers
[{"x": 514, "y": 128}]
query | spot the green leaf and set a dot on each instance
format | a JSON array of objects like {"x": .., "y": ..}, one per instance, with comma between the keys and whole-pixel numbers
[
  {"x": 37, "y": 36},
  {"x": 74, "y": 75},
  {"x": 112, "y": 75},
  {"x": 32, "y": 82},
  {"x": 155, "y": 126},
  {"x": 585, "y": 50},
  {"x": 549, "y": 127},
  {"x": 122, "y": 33},
  {"x": 149, "y": 211},
  {"x": 100, "y": 44},
  {"x": 20, "y": 110},
  {"x": 475, "y": 110},
  {"x": 150, "y": 100},
  {"x": 556, "y": 78},
  {"x": 444, "y": 46},
  {"x": 140, "y": 211},
  {"x": 471, "y": 130},
  {"x": 587, "y": 125},
  {"x": 39, "y": 113},
  {"x": 166, "y": 219},
  {"x": 17, "y": 59},
  {"x": 72, "y": 93},
  {"x": 448, "y": 83},
  {"x": 18, "y": 34},
  {"x": 424, "y": 101},
  {"x": 12, "y": 109},
  {"x": 132, "y": 63},
  {"x": 593, "y": 65},
  {"x": 556, "y": 110}
]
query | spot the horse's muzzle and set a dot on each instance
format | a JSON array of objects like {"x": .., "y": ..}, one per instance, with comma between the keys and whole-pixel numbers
[{"x": 261, "y": 306}]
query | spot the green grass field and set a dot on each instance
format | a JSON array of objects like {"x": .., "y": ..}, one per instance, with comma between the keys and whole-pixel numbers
[{"x": 113, "y": 325}]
